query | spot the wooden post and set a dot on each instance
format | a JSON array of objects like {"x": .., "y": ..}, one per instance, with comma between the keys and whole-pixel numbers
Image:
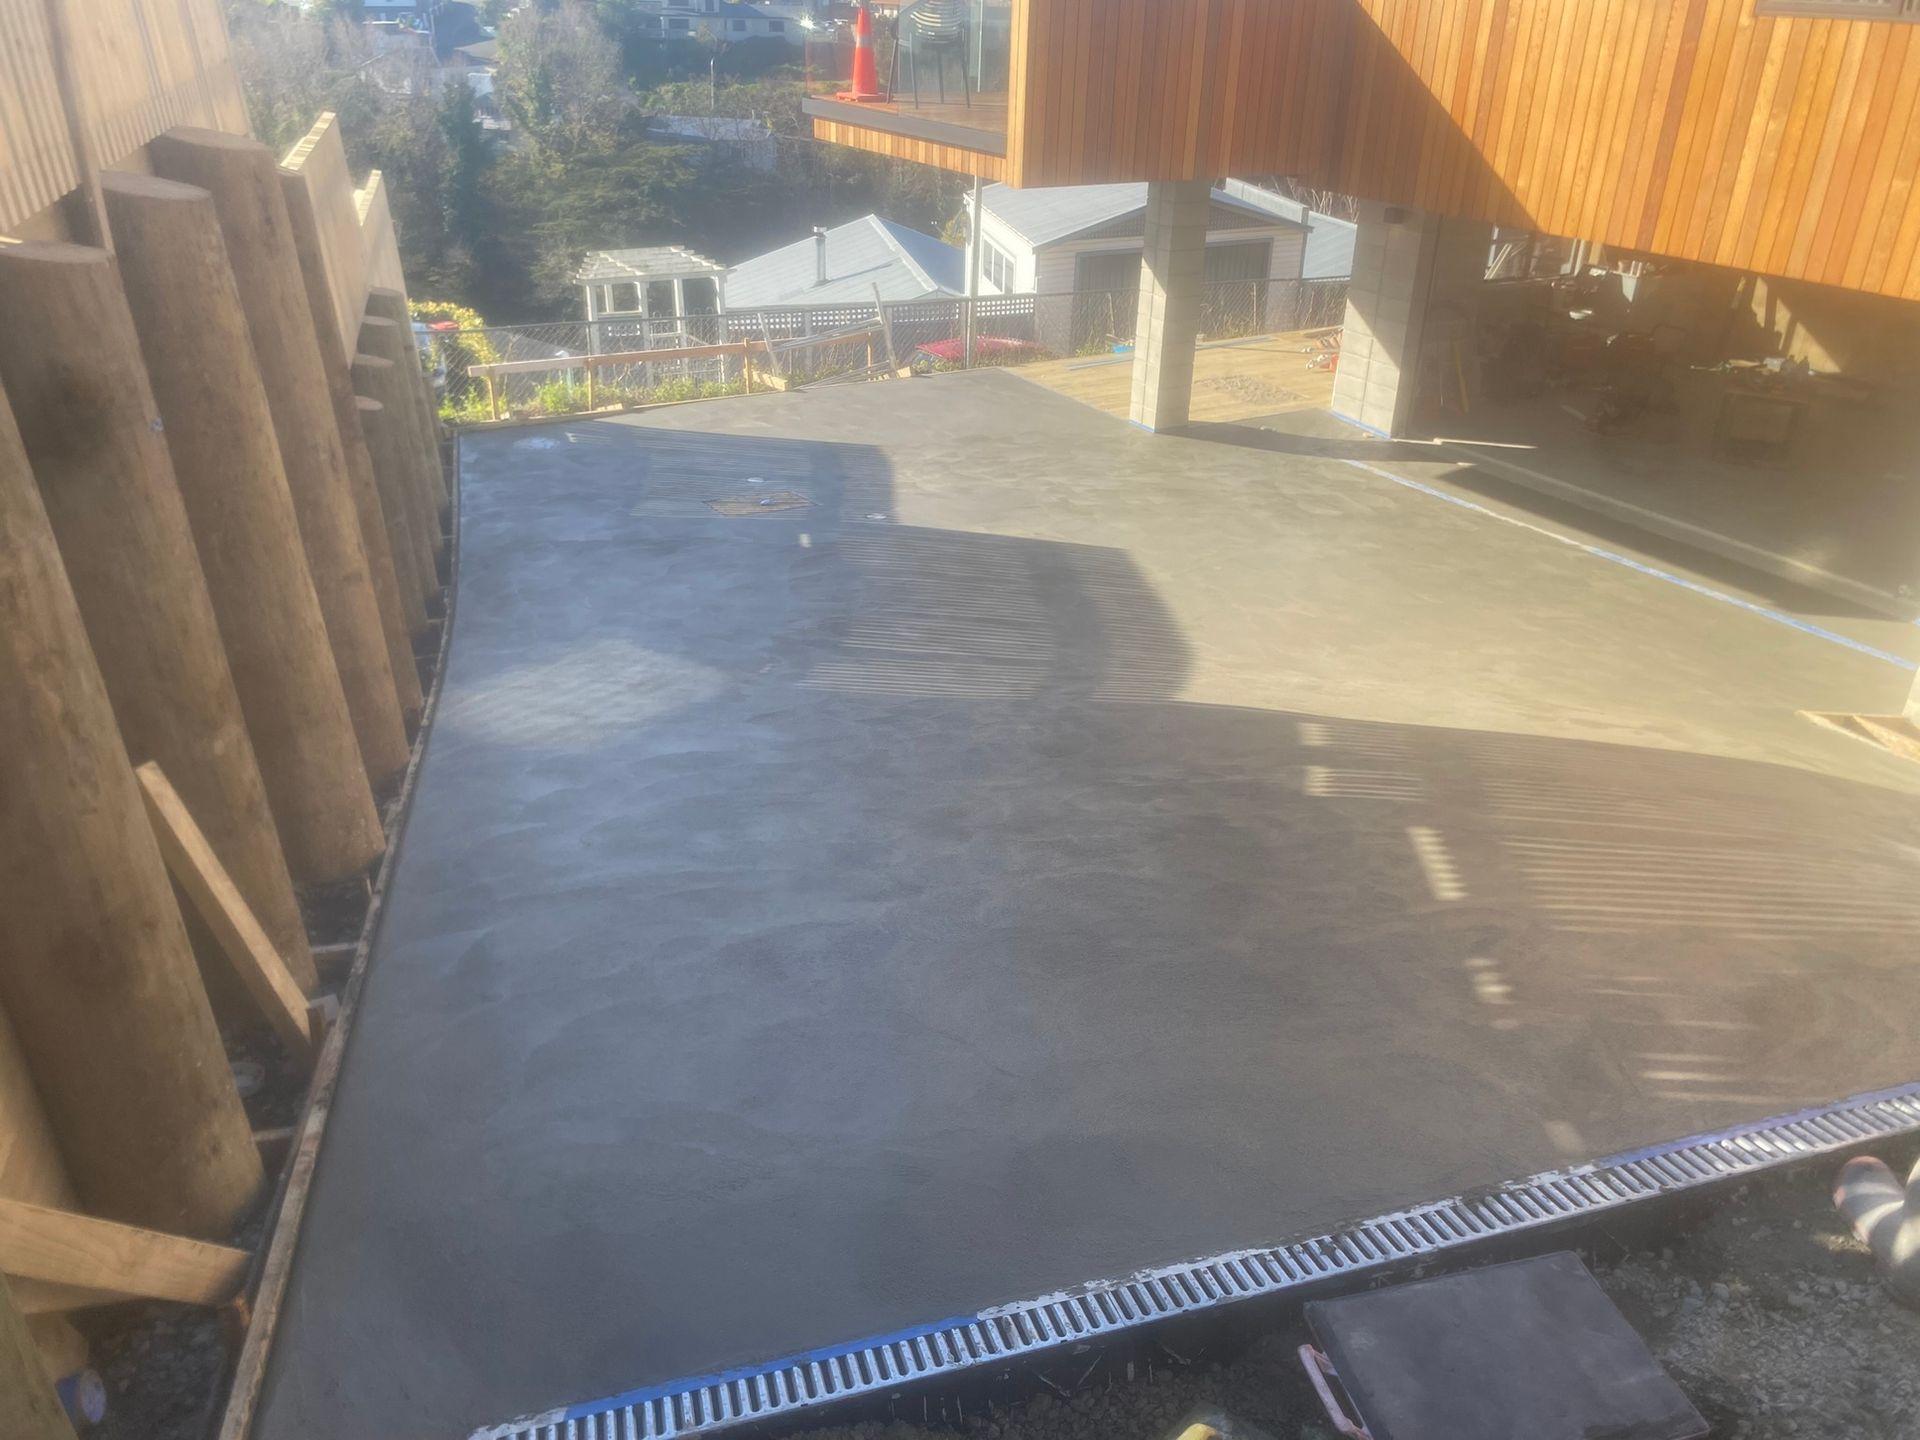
[
  {"x": 70, "y": 361},
  {"x": 99, "y": 981},
  {"x": 393, "y": 459},
  {"x": 381, "y": 380},
  {"x": 219, "y": 429},
  {"x": 31, "y": 1169},
  {"x": 391, "y": 306},
  {"x": 366, "y": 493},
  {"x": 493, "y": 399},
  {"x": 245, "y": 184},
  {"x": 29, "y": 1410},
  {"x": 394, "y": 343},
  {"x": 393, "y": 508}
]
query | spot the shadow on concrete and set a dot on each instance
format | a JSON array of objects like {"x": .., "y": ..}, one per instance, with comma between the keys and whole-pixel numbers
[
  {"x": 1292, "y": 434},
  {"x": 811, "y": 925}
]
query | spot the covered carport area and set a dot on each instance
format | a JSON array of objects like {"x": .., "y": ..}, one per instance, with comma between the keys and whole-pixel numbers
[{"x": 1771, "y": 421}]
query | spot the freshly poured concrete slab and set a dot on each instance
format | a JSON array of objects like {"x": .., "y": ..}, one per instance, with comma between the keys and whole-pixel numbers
[{"x": 1029, "y": 850}]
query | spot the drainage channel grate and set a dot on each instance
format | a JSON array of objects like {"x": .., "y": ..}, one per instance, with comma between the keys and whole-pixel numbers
[{"x": 791, "y": 1385}]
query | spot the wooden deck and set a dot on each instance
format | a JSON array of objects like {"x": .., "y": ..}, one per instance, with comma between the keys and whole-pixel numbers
[{"x": 1232, "y": 379}]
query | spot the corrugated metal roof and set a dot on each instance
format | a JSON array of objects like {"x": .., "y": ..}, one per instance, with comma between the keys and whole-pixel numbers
[
  {"x": 645, "y": 263},
  {"x": 1048, "y": 213},
  {"x": 905, "y": 264},
  {"x": 1329, "y": 253}
]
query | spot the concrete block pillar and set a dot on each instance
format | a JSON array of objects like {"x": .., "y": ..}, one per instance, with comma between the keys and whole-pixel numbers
[
  {"x": 1173, "y": 269},
  {"x": 1414, "y": 293}
]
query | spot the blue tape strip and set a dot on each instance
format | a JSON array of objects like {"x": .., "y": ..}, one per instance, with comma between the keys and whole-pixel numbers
[
  {"x": 1819, "y": 632},
  {"x": 747, "y": 1372}
]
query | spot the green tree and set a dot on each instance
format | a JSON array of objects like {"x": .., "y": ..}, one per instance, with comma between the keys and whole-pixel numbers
[
  {"x": 462, "y": 200},
  {"x": 550, "y": 210},
  {"x": 559, "y": 79}
]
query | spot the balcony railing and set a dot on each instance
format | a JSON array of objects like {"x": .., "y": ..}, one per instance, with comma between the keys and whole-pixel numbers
[{"x": 943, "y": 68}]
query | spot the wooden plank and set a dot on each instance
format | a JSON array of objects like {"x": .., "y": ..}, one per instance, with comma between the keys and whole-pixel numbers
[
  {"x": 199, "y": 873},
  {"x": 1607, "y": 30},
  {"x": 898, "y": 147},
  {"x": 1900, "y": 223},
  {"x": 1839, "y": 124},
  {"x": 1762, "y": 164},
  {"x": 1732, "y": 123},
  {"x": 1866, "y": 188},
  {"x": 1819, "y": 113},
  {"x": 62, "y": 1248}
]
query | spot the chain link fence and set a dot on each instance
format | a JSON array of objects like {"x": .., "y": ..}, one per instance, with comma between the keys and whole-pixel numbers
[{"x": 819, "y": 344}]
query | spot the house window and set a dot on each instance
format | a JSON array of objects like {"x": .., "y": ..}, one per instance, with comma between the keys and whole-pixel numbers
[
  {"x": 776, "y": 27},
  {"x": 679, "y": 26},
  {"x": 1842, "y": 9},
  {"x": 736, "y": 25},
  {"x": 997, "y": 266}
]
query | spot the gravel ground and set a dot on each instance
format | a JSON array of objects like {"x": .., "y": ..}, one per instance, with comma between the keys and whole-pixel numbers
[{"x": 1766, "y": 1312}]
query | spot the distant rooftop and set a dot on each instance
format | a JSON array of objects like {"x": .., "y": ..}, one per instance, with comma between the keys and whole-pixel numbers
[
  {"x": 1329, "y": 253},
  {"x": 1050, "y": 213},
  {"x": 732, "y": 129},
  {"x": 1044, "y": 214},
  {"x": 648, "y": 262},
  {"x": 863, "y": 253}
]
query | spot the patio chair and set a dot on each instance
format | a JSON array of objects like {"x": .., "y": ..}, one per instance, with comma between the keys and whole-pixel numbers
[{"x": 938, "y": 27}]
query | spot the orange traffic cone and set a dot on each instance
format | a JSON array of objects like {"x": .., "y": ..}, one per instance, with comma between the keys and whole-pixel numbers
[{"x": 866, "y": 70}]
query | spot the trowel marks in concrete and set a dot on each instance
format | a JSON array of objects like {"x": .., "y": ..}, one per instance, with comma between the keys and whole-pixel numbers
[{"x": 793, "y": 943}]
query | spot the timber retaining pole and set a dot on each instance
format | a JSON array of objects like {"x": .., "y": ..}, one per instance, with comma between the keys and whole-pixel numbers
[
  {"x": 413, "y": 589},
  {"x": 381, "y": 380},
  {"x": 98, "y": 979},
  {"x": 366, "y": 493},
  {"x": 70, "y": 362},
  {"x": 219, "y": 429},
  {"x": 393, "y": 340},
  {"x": 394, "y": 458},
  {"x": 391, "y": 306},
  {"x": 245, "y": 184}
]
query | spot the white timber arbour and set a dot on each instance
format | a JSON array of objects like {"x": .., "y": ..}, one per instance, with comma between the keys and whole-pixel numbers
[{"x": 649, "y": 284}]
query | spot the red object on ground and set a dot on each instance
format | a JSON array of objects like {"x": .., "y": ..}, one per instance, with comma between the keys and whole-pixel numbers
[
  {"x": 866, "y": 69},
  {"x": 1002, "y": 347}
]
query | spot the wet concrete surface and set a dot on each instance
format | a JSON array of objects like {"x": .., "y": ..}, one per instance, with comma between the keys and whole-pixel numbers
[{"x": 1039, "y": 851}]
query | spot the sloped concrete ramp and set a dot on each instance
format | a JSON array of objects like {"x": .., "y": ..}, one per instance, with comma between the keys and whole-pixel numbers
[{"x": 1024, "y": 851}]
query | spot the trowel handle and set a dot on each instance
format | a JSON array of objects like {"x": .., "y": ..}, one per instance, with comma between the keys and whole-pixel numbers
[{"x": 1319, "y": 1370}]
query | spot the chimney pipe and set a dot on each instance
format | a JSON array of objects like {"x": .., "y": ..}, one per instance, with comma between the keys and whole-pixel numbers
[{"x": 819, "y": 256}]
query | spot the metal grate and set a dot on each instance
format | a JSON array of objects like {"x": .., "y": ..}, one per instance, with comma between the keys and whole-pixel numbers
[{"x": 787, "y": 1387}]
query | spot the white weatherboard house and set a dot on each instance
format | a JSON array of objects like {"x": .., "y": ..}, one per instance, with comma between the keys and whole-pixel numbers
[
  {"x": 843, "y": 265},
  {"x": 1085, "y": 241},
  {"x": 671, "y": 295}
]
